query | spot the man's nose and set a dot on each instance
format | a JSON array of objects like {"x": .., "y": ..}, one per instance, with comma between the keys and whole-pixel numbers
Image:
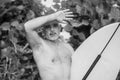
[{"x": 52, "y": 29}]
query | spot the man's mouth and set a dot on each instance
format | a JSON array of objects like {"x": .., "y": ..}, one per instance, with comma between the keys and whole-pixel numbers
[{"x": 52, "y": 33}]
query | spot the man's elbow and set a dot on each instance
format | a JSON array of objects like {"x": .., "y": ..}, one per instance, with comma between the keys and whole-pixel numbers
[{"x": 27, "y": 26}]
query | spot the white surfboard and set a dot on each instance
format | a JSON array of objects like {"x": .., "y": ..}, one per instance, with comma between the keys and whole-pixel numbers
[{"x": 104, "y": 42}]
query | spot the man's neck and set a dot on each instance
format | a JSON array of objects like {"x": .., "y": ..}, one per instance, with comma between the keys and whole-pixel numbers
[
  {"x": 56, "y": 42},
  {"x": 53, "y": 42}
]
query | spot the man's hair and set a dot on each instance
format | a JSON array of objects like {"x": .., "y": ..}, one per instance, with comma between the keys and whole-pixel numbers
[{"x": 42, "y": 30}]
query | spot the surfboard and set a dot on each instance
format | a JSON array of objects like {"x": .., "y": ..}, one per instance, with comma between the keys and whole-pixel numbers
[{"x": 98, "y": 57}]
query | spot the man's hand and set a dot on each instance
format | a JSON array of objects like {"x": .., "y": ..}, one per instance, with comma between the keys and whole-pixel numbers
[{"x": 64, "y": 15}]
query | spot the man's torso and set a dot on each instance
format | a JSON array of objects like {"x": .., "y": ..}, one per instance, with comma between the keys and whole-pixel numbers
[{"x": 53, "y": 60}]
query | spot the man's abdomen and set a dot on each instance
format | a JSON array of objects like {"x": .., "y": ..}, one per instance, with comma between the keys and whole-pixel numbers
[
  {"x": 54, "y": 71},
  {"x": 51, "y": 66}
]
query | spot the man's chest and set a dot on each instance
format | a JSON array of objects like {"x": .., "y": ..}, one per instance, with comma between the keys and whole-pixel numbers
[
  {"x": 57, "y": 52},
  {"x": 53, "y": 53}
]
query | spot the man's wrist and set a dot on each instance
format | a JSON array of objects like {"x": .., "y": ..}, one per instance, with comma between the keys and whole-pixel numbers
[{"x": 53, "y": 16}]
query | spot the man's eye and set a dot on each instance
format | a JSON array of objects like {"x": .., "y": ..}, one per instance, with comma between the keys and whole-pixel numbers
[
  {"x": 47, "y": 26},
  {"x": 55, "y": 25}
]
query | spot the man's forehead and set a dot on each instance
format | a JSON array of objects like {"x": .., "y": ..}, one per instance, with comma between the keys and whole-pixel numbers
[{"x": 52, "y": 22}]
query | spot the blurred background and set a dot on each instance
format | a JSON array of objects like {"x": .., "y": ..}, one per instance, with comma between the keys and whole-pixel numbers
[{"x": 16, "y": 60}]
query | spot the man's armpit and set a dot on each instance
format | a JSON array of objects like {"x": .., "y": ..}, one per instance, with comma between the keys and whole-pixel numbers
[{"x": 33, "y": 38}]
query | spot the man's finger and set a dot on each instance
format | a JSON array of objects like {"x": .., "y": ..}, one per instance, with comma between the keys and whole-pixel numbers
[
  {"x": 64, "y": 22},
  {"x": 67, "y": 13},
  {"x": 66, "y": 10},
  {"x": 69, "y": 16},
  {"x": 67, "y": 19}
]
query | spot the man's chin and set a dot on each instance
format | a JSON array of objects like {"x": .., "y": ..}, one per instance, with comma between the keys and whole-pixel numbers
[{"x": 53, "y": 38}]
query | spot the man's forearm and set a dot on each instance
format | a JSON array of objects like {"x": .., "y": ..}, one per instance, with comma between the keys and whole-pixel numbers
[
  {"x": 38, "y": 22},
  {"x": 61, "y": 16}
]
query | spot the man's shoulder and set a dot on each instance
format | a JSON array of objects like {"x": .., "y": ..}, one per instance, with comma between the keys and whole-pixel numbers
[
  {"x": 68, "y": 46},
  {"x": 62, "y": 40}
]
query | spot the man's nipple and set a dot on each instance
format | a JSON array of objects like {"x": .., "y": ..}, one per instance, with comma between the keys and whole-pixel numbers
[{"x": 56, "y": 60}]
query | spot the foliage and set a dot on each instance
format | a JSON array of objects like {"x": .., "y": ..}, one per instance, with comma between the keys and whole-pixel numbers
[{"x": 16, "y": 60}]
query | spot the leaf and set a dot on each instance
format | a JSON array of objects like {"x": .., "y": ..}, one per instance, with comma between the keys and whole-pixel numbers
[
  {"x": 15, "y": 23},
  {"x": 27, "y": 73},
  {"x": 64, "y": 4},
  {"x": 12, "y": 37},
  {"x": 99, "y": 10},
  {"x": 96, "y": 24},
  {"x": 115, "y": 13},
  {"x": 21, "y": 27},
  {"x": 74, "y": 32},
  {"x": 20, "y": 7},
  {"x": 78, "y": 9},
  {"x": 56, "y": 6},
  {"x": 5, "y": 52},
  {"x": 82, "y": 36},
  {"x": 30, "y": 15},
  {"x": 68, "y": 28},
  {"x": 4, "y": 1},
  {"x": 75, "y": 23},
  {"x": 56, "y": 1},
  {"x": 77, "y": 1},
  {"x": 94, "y": 2},
  {"x": 49, "y": 11},
  {"x": 3, "y": 44},
  {"x": 5, "y": 26}
]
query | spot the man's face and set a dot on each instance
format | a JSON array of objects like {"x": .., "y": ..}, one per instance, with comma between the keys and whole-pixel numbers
[{"x": 52, "y": 31}]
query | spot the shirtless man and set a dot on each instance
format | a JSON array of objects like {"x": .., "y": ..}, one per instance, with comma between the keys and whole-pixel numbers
[{"x": 51, "y": 54}]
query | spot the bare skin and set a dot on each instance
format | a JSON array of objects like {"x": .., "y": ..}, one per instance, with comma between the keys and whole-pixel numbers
[{"x": 51, "y": 54}]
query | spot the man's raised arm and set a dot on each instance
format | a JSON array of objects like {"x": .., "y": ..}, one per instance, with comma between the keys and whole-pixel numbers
[
  {"x": 60, "y": 16},
  {"x": 31, "y": 25}
]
